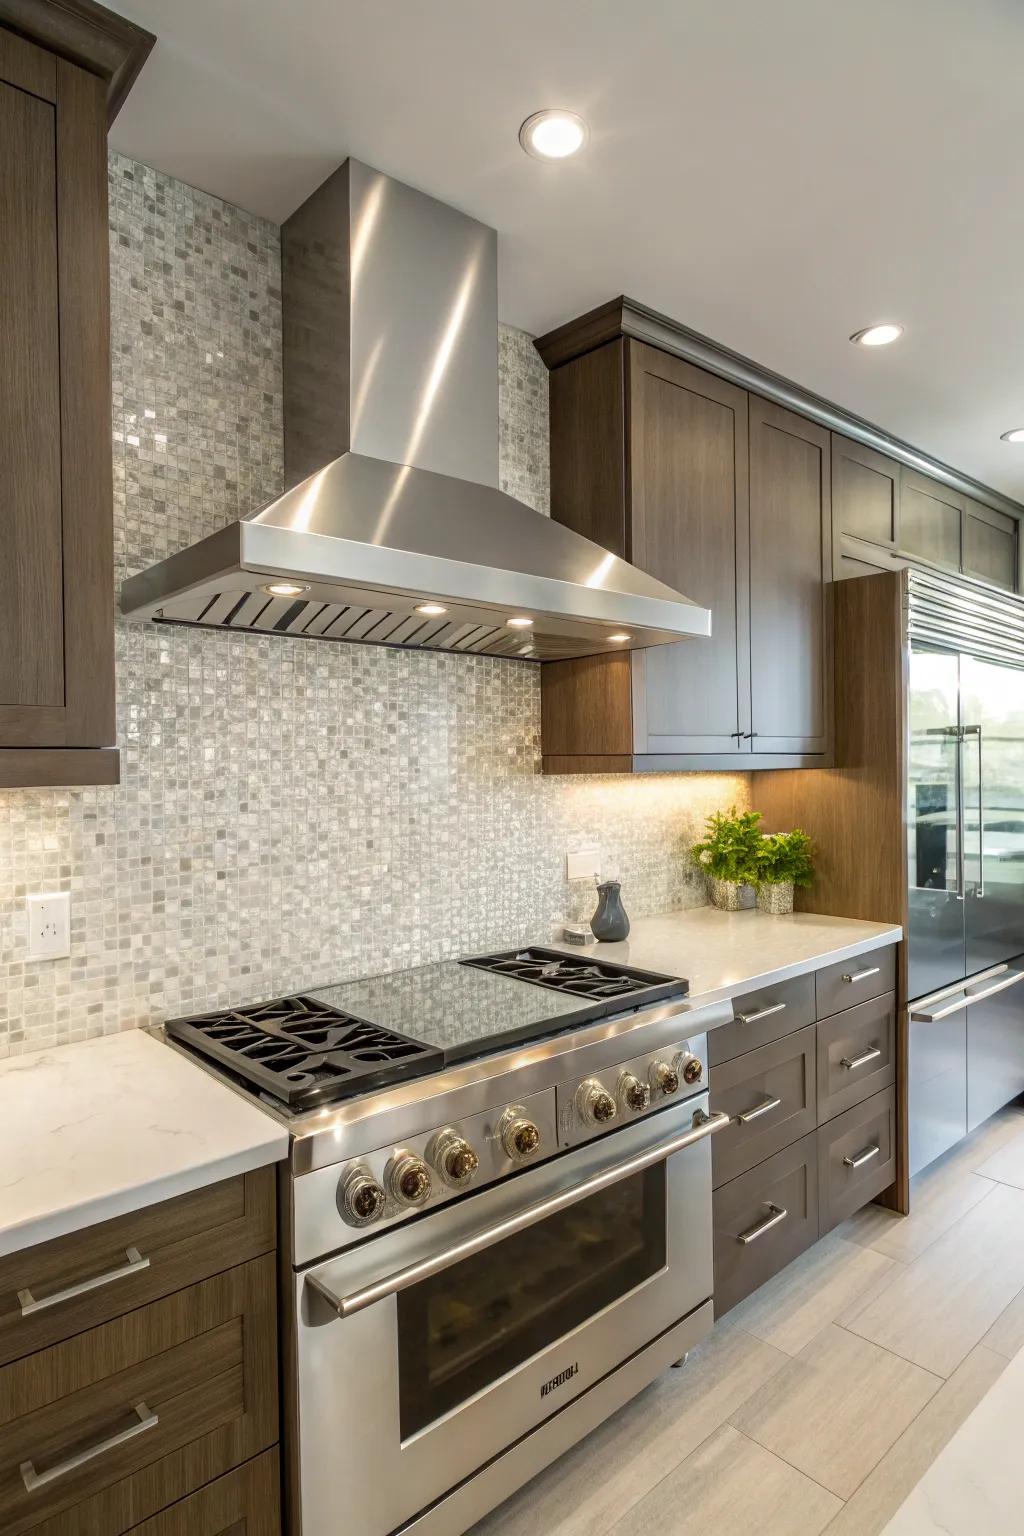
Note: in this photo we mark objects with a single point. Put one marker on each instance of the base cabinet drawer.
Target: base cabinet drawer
(856, 1055)
(105, 1429)
(763, 1220)
(856, 1157)
(771, 1097)
(57, 1289)
(244, 1503)
(763, 1016)
(850, 982)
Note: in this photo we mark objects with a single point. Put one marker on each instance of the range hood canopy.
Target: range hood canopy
(391, 455)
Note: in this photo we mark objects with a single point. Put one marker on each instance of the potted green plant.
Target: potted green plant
(783, 861)
(727, 857)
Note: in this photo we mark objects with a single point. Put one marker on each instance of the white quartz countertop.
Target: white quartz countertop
(973, 1487)
(92, 1130)
(725, 953)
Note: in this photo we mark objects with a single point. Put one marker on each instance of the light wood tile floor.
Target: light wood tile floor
(817, 1404)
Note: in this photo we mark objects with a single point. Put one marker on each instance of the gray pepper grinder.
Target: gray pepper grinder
(609, 923)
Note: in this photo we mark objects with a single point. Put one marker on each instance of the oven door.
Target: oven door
(430, 1349)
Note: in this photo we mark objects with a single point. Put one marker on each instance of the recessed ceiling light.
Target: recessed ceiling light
(1015, 435)
(553, 134)
(286, 588)
(620, 637)
(877, 335)
(432, 610)
(519, 623)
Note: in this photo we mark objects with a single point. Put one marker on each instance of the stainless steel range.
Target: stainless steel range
(497, 1214)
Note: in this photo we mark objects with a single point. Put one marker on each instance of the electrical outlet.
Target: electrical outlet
(49, 926)
(583, 864)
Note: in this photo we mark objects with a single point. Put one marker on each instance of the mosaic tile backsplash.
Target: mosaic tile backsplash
(290, 813)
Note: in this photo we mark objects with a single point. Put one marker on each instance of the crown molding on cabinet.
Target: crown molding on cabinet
(87, 34)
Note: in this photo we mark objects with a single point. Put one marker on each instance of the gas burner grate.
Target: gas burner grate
(606, 985)
(304, 1052)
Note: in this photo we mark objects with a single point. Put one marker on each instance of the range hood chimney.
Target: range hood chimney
(393, 530)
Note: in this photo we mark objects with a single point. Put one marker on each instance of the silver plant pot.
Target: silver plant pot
(730, 895)
(776, 899)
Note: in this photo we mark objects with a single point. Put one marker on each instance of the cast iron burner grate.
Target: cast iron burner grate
(304, 1052)
(600, 981)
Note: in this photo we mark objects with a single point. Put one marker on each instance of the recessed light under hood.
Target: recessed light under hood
(391, 455)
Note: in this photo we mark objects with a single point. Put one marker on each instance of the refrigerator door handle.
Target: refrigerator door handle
(961, 819)
(975, 731)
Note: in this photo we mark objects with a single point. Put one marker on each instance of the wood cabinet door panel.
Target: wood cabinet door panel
(246, 1502)
(931, 520)
(770, 1096)
(990, 545)
(31, 552)
(856, 1055)
(689, 497)
(856, 1158)
(865, 503)
(790, 565)
(763, 1220)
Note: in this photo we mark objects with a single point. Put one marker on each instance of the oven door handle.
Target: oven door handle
(356, 1301)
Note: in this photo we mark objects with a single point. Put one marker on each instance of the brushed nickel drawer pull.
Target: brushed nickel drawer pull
(778, 1213)
(851, 1063)
(861, 1158)
(762, 1013)
(135, 1263)
(851, 976)
(758, 1111)
(33, 1479)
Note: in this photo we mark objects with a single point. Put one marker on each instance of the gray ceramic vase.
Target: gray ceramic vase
(609, 923)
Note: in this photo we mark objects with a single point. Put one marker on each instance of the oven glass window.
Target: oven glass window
(462, 1329)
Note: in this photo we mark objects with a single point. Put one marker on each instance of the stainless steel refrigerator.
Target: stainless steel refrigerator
(965, 853)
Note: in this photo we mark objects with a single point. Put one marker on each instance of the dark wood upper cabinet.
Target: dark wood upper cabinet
(56, 495)
(990, 545)
(865, 506)
(790, 563)
(726, 498)
(688, 497)
(931, 520)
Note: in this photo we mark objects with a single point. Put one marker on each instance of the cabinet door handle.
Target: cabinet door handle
(861, 1158)
(135, 1263)
(758, 1111)
(762, 1013)
(853, 976)
(32, 1479)
(778, 1213)
(851, 1063)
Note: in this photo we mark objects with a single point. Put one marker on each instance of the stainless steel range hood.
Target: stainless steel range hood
(391, 453)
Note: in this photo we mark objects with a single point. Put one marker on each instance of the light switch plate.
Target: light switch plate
(49, 926)
(583, 864)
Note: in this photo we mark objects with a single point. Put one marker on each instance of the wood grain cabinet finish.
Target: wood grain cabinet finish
(865, 500)
(849, 982)
(931, 520)
(700, 484)
(856, 1157)
(771, 1096)
(108, 1427)
(132, 1260)
(763, 1220)
(761, 1016)
(856, 1055)
(245, 1502)
(990, 545)
(56, 495)
(791, 568)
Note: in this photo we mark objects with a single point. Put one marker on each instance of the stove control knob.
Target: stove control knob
(360, 1198)
(594, 1104)
(690, 1068)
(454, 1158)
(664, 1079)
(519, 1137)
(407, 1179)
(634, 1096)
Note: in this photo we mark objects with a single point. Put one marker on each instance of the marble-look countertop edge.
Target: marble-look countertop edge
(771, 978)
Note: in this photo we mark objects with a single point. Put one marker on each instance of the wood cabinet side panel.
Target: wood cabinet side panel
(588, 447)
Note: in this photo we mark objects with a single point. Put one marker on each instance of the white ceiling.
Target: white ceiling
(774, 173)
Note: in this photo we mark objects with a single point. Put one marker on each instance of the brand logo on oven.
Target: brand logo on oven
(561, 1379)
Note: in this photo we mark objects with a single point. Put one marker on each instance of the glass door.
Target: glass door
(992, 711)
(935, 849)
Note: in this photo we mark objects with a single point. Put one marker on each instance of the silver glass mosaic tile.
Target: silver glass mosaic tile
(290, 814)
